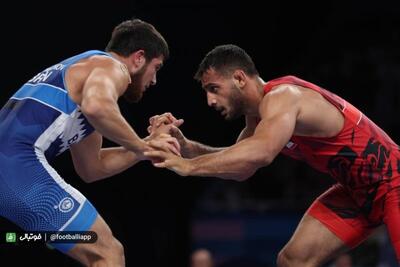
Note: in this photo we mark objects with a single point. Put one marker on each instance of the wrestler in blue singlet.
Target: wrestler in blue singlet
(38, 123)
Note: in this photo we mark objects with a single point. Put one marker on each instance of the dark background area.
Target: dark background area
(351, 49)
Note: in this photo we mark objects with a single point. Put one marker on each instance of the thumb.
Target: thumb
(174, 131)
(178, 123)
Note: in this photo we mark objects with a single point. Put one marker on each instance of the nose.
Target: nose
(154, 80)
(211, 101)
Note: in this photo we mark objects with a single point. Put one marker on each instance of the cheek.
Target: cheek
(226, 101)
(149, 75)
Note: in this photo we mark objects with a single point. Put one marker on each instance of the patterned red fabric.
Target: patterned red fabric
(362, 158)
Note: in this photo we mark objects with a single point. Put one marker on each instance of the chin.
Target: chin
(232, 116)
(228, 117)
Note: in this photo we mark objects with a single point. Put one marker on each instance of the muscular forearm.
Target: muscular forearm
(237, 162)
(109, 122)
(113, 161)
(193, 149)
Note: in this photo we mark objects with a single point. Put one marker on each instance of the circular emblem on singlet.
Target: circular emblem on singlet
(66, 204)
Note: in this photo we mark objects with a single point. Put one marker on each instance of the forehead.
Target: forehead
(211, 76)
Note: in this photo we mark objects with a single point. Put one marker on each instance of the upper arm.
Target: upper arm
(86, 154)
(278, 110)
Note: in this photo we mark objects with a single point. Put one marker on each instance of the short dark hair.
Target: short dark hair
(225, 59)
(135, 34)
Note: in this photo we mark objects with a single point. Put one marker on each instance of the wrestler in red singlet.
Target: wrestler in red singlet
(364, 161)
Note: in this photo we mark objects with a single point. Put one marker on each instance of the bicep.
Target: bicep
(269, 138)
(274, 133)
(278, 111)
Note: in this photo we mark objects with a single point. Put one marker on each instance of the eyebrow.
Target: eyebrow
(208, 86)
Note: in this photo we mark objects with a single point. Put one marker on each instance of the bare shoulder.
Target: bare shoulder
(283, 95)
(109, 64)
(106, 65)
(95, 69)
(315, 116)
(286, 89)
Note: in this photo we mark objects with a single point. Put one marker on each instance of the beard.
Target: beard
(236, 103)
(134, 92)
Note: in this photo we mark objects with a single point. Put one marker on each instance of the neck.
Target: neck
(121, 59)
(254, 95)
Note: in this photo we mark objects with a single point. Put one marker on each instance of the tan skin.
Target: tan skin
(95, 84)
(285, 111)
(201, 258)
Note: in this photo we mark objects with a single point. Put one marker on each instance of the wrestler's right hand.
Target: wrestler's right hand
(167, 123)
(164, 142)
(157, 123)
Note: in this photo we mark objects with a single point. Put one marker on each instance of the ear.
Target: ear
(138, 58)
(239, 78)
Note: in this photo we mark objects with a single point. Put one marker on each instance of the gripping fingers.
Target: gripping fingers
(169, 116)
(160, 164)
(153, 118)
(178, 123)
(164, 135)
(167, 144)
(162, 120)
(165, 118)
(168, 138)
(173, 149)
(174, 142)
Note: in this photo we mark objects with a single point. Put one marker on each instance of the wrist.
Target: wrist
(189, 167)
(186, 147)
(139, 149)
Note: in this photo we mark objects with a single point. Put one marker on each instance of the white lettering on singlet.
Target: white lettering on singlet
(44, 75)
